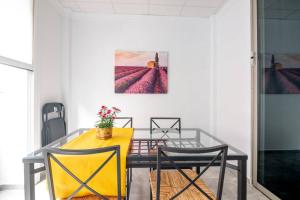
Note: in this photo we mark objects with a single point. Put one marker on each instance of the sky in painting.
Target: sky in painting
(287, 60)
(139, 58)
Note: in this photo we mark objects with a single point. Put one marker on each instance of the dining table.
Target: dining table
(142, 154)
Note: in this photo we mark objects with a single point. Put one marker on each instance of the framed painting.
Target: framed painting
(139, 72)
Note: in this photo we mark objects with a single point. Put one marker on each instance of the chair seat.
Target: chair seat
(172, 182)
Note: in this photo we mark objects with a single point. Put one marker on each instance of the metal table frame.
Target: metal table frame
(141, 159)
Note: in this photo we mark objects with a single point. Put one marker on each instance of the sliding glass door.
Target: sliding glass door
(15, 118)
(277, 166)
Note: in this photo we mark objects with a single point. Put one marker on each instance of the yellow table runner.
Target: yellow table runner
(105, 182)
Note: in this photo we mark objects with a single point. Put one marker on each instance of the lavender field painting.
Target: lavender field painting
(141, 72)
(282, 74)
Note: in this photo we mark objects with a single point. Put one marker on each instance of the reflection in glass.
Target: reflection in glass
(278, 161)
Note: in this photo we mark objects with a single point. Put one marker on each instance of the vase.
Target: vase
(104, 133)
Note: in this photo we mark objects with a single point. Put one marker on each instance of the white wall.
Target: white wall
(94, 39)
(48, 58)
(232, 75)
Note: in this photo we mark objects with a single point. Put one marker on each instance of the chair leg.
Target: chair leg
(198, 170)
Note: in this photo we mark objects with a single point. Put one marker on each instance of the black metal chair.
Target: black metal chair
(54, 126)
(164, 126)
(186, 178)
(50, 157)
(127, 122)
(156, 125)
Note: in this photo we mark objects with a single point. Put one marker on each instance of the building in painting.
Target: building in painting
(153, 63)
(275, 65)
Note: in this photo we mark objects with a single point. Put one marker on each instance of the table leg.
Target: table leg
(130, 174)
(242, 180)
(198, 170)
(29, 181)
(128, 183)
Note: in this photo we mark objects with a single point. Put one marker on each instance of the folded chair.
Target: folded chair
(185, 184)
(50, 156)
(54, 126)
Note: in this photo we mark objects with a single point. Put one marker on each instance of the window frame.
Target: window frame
(16, 63)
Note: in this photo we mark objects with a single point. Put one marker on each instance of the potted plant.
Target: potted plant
(106, 122)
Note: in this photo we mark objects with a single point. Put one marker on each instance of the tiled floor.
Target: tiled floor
(140, 190)
(140, 187)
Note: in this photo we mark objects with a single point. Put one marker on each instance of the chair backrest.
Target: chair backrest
(220, 157)
(125, 122)
(50, 155)
(57, 109)
(162, 124)
(54, 126)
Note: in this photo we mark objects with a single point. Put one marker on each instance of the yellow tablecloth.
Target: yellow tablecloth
(83, 166)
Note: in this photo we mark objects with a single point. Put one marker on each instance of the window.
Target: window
(16, 83)
(16, 22)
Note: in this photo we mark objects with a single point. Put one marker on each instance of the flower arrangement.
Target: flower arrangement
(107, 117)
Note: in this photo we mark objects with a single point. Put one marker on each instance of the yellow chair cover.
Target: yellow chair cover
(105, 182)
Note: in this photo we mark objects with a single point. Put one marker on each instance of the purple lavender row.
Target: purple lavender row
(120, 69)
(145, 84)
(157, 87)
(163, 80)
(285, 85)
(293, 79)
(125, 73)
(123, 83)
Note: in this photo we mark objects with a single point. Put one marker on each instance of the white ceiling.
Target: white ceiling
(184, 8)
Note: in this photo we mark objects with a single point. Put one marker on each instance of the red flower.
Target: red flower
(109, 111)
(103, 107)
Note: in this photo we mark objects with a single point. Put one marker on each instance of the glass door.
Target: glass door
(277, 166)
(15, 118)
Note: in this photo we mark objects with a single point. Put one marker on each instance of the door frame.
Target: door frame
(255, 101)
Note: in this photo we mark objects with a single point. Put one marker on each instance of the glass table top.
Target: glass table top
(144, 142)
